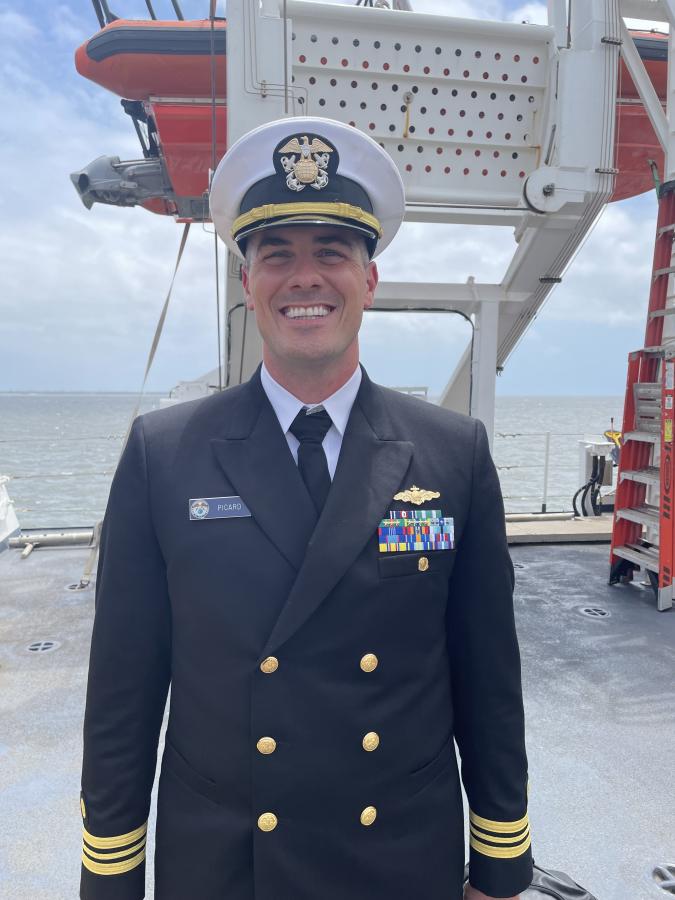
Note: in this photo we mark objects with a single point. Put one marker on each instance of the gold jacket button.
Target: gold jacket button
(369, 662)
(269, 665)
(423, 563)
(371, 741)
(266, 745)
(368, 815)
(267, 821)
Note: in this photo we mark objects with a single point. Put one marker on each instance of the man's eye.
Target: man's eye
(278, 254)
(329, 251)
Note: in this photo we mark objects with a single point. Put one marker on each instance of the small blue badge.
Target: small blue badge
(217, 508)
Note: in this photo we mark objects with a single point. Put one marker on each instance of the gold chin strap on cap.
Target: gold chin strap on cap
(334, 210)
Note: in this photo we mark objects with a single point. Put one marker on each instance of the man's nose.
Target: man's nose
(306, 274)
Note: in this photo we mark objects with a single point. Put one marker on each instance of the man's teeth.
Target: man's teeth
(306, 312)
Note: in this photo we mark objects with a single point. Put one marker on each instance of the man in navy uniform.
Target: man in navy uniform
(318, 568)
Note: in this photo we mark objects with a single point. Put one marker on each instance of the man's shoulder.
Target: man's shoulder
(407, 411)
(204, 412)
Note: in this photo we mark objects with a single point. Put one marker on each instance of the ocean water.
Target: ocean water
(60, 450)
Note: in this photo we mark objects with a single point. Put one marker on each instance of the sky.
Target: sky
(81, 290)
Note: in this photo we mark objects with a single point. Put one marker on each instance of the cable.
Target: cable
(228, 338)
(99, 12)
(212, 18)
(158, 333)
(220, 361)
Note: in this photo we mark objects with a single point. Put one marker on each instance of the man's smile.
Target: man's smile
(316, 311)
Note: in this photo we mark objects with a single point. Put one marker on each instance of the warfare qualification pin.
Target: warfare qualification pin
(416, 495)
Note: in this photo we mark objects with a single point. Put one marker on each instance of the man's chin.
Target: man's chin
(312, 356)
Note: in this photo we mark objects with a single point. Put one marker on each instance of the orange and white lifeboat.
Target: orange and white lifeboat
(171, 74)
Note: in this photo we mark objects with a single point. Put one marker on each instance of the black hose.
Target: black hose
(574, 501)
(595, 493)
(589, 484)
(593, 485)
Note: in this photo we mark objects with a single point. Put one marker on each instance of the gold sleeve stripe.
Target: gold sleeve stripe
(113, 868)
(499, 827)
(115, 855)
(500, 852)
(500, 840)
(116, 842)
(337, 210)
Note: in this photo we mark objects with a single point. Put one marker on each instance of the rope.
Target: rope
(158, 334)
(212, 18)
(151, 356)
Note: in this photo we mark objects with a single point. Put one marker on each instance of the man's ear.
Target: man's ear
(372, 278)
(246, 284)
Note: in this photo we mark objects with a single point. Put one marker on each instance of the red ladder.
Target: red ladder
(642, 530)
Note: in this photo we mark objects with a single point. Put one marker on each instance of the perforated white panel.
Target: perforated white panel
(459, 105)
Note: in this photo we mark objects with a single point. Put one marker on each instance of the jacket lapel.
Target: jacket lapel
(370, 469)
(257, 461)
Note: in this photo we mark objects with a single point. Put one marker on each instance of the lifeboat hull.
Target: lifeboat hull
(138, 59)
(169, 65)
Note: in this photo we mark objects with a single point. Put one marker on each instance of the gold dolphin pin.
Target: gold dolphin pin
(416, 495)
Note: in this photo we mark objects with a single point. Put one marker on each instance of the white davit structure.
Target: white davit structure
(490, 123)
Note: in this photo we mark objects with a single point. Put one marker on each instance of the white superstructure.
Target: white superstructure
(490, 123)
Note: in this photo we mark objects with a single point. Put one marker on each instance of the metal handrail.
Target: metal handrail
(543, 496)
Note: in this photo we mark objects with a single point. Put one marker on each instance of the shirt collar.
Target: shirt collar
(287, 406)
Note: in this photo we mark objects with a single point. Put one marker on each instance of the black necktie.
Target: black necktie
(310, 429)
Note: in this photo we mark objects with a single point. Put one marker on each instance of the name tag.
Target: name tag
(217, 508)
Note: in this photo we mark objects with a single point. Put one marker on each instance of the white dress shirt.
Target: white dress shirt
(338, 406)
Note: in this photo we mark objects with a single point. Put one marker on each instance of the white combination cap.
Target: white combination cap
(304, 171)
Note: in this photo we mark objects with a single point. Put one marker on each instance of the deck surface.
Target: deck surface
(599, 698)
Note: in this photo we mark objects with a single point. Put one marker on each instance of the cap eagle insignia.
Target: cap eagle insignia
(306, 164)
(416, 495)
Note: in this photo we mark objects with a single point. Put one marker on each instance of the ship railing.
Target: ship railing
(538, 456)
(524, 460)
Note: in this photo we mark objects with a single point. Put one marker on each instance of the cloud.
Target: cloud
(647, 25)
(461, 9)
(16, 25)
(531, 13)
(608, 282)
(67, 26)
(455, 252)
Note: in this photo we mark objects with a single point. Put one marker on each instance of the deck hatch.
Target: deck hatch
(664, 876)
(594, 612)
(43, 646)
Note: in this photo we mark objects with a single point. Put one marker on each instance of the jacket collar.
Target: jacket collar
(370, 469)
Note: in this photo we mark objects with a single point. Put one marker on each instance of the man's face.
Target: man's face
(308, 286)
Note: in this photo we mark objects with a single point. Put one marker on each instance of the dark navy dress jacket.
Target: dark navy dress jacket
(318, 685)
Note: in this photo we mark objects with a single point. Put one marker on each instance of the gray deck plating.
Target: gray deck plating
(599, 701)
